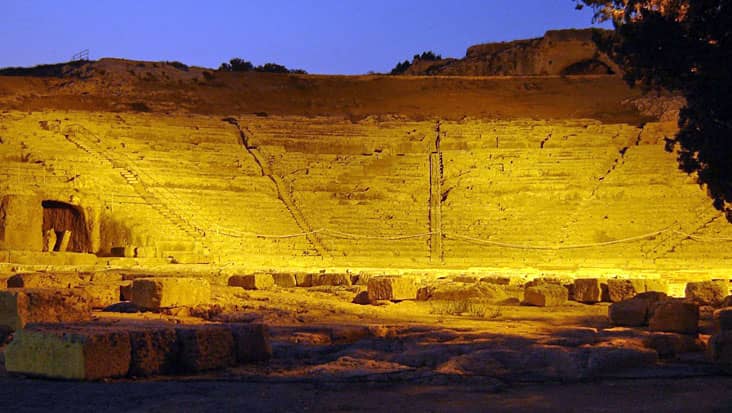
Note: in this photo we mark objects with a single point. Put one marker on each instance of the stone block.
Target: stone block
(154, 293)
(21, 223)
(588, 290)
(707, 292)
(720, 348)
(19, 306)
(252, 281)
(65, 352)
(205, 347)
(546, 295)
(251, 342)
(671, 344)
(304, 279)
(125, 290)
(629, 313)
(623, 289)
(154, 351)
(723, 319)
(362, 298)
(332, 279)
(393, 288)
(285, 280)
(496, 279)
(609, 360)
(101, 294)
(460, 291)
(46, 280)
(675, 316)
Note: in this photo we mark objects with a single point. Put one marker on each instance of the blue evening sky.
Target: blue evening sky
(320, 36)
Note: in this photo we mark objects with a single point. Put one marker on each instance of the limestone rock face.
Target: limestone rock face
(675, 316)
(170, 292)
(19, 307)
(101, 294)
(392, 288)
(547, 295)
(67, 353)
(205, 347)
(588, 290)
(253, 281)
(21, 223)
(707, 292)
(251, 342)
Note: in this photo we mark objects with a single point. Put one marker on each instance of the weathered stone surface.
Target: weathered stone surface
(723, 319)
(251, 342)
(635, 311)
(675, 316)
(125, 290)
(623, 289)
(285, 280)
(101, 294)
(362, 298)
(46, 280)
(460, 291)
(496, 279)
(19, 306)
(154, 351)
(720, 348)
(304, 279)
(707, 292)
(253, 281)
(670, 344)
(170, 292)
(205, 347)
(82, 353)
(331, 279)
(657, 285)
(394, 288)
(588, 290)
(547, 295)
(608, 360)
(21, 223)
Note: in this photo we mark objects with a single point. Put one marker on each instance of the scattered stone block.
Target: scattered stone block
(101, 295)
(304, 279)
(588, 290)
(331, 279)
(495, 279)
(675, 316)
(251, 342)
(46, 280)
(63, 245)
(360, 279)
(707, 292)
(285, 280)
(80, 353)
(547, 295)
(727, 302)
(484, 292)
(723, 319)
(671, 344)
(154, 293)
(154, 351)
(720, 348)
(205, 347)
(542, 281)
(636, 311)
(125, 290)
(362, 298)
(20, 306)
(252, 281)
(393, 288)
(623, 289)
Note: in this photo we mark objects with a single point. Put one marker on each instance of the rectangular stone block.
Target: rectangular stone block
(707, 292)
(252, 281)
(304, 279)
(623, 289)
(588, 290)
(331, 279)
(392, 288)
(79, 353)
(46, 280)
(154, 351)
(674, 316)
(163, 292)
(19, 306)
(285, 280)
(251, 342)
(101, 294)
(546, 295)
(205, 347)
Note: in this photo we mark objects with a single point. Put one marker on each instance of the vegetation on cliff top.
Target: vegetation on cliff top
(240, 65)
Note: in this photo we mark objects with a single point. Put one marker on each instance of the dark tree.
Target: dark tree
(400, 68)
(683, 46)
(271, 68)
(237, 65)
